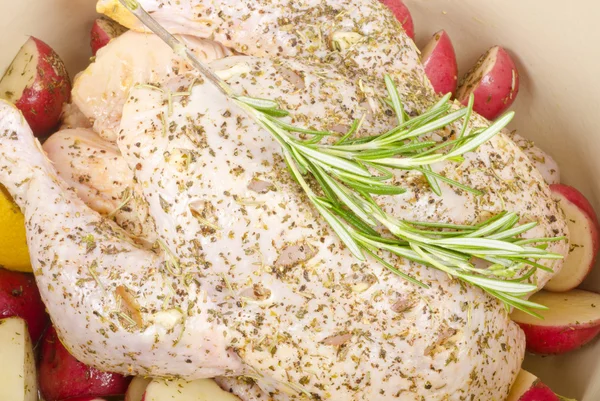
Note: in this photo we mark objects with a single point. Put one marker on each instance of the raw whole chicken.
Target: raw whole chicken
(246, 281)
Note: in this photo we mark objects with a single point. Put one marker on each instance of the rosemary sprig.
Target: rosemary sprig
(348, 172)
(347, 179)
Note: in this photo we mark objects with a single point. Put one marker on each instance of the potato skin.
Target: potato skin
(19, 296)
(87, 398)
(40, 100)
(549, 340)
(103, 31)
(439, 59)
(539, 392)
(402, 14)
(61, 376)
(571, 320)
(494, 81)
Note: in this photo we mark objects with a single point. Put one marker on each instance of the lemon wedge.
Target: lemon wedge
(14, 254)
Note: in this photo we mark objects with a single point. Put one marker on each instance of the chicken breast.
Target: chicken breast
(301, 267)
(360, 40)
(131, 59)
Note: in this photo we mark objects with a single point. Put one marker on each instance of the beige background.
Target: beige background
(556, 43)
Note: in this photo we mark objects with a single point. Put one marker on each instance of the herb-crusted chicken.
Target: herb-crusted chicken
(246, 280)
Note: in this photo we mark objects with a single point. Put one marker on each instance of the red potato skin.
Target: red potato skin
(103, 31)
(557, 340)
(19, 296)
(578, 199)
(402, 14)
(494, 93)
(41, 102)
(539, 392)
(87, 398)
(62, 377)
(440, 65)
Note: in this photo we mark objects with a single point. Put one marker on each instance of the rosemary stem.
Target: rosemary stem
(178, 47)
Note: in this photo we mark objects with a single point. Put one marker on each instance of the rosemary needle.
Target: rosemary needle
(349, 171)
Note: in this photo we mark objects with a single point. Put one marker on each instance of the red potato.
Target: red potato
(62, 377)
(137, 388)
(439, 60)
(528, 387)
(17, 368)
(585, 238)
(402, 14)
(103, 31)
(37, 83)
(86, 398)
(572, 320)
(494, 81)
(19, 296)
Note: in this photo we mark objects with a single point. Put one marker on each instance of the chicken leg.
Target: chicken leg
(113, 303)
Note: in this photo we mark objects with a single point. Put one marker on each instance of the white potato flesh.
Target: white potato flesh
(25, 71)
(522, 383)
(582, 252)
(17, 371)
(574, 308)
(137, 388)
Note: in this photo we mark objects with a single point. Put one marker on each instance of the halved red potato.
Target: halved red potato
(86, 398)
(585, 238)
(17, 368)
(402, 14)
(572, 320)
(180, 390)
(528, 387)
(19, 296)
(37, 83)
(61, 376)
(103, 31)
(137, 388)
(494, 81)
(439, 60)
